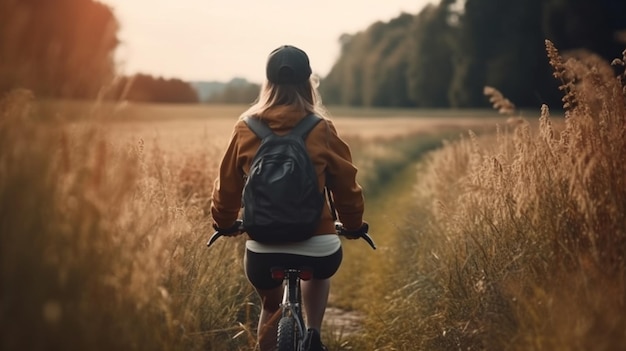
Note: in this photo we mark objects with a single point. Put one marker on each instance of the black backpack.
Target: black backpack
(281, 197)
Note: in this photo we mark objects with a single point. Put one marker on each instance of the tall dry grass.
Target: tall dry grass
(104, 224)
(102, 244)
(517, 241)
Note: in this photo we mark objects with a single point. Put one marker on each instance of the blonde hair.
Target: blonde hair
(304, 96)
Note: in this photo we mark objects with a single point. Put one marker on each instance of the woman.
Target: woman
(288, 95)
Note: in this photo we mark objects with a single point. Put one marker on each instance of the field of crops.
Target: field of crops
(104, 220)
(514, 241)
(508, 237)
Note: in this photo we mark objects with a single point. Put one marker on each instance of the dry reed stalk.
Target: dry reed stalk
(524, 244)
(100, 251)
(499, 102)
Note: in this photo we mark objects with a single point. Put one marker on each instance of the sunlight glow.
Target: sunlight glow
(220, 40)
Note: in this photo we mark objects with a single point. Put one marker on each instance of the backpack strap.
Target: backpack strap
(258, 127)
(262, 130)
(306, 125)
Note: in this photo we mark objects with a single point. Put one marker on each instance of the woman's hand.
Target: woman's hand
(233, 230)
(356, 234)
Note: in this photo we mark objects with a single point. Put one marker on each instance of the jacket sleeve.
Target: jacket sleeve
(341, 180)
(226, 197)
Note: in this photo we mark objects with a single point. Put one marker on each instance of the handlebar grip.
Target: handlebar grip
(213, 238)
(365, 236)
(369, 240)
(237, 227)
(338, 226)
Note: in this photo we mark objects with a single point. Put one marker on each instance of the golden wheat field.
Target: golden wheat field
(494, 232)
(516, 240)
(104, 222)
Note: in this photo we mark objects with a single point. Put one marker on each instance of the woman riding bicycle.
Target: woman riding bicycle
(286, 97)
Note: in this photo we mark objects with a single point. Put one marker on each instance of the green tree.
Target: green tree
(441, 58)
(146, 88)
(343, 85)
(430, 56)
(500, 44)
(588, 24)
(61, 48)
(386, 65)
(518, 65)
(237, 91)
(372, 68)
(479, 29)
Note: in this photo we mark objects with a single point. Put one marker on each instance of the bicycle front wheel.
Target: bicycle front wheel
(287, 334)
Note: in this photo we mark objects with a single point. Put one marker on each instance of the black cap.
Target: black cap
(288, 65)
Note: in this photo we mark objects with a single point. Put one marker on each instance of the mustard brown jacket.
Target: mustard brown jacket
(330, 154)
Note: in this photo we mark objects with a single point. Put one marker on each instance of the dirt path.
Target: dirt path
(344, 323)
(361, 281)
(389, 207)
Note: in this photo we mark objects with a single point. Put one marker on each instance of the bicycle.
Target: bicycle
(291, 326)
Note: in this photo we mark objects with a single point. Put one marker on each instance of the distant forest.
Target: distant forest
(65, 49)
(59, 48)
(440, 57)
(446, 54)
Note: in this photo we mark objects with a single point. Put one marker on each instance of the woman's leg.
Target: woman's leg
(268, 321)
(315, 291)
(314, 298)
(257, 267)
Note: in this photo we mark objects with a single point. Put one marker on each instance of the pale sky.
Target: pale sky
(220, 40)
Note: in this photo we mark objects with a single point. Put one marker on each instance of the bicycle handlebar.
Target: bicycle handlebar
(338, 227)
(367, 238)
(364, 235)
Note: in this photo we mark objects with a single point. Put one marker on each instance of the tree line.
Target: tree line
(441, 57)
(237, 91)
(147, 88)
(445, 55)
(60, 48)
(65, 49)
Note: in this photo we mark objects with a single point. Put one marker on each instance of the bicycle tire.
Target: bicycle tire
(286, 337)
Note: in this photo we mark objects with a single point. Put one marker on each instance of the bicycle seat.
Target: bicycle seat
(280, 273)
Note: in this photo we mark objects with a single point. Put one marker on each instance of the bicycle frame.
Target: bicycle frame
(291, 306)
(291, 326)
